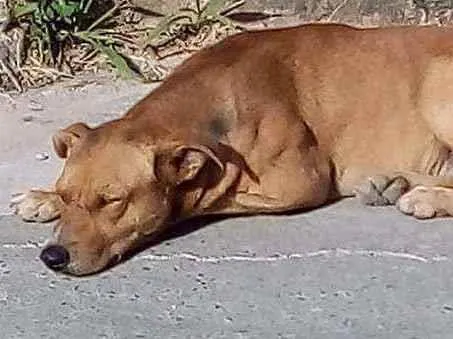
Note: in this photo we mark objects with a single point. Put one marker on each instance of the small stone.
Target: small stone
(35, 106)
(344, 294)
(301, 297)
(41, 156)
(347, 322)
(447, 308)
(135, 296)
(3, 296)
(228, 319)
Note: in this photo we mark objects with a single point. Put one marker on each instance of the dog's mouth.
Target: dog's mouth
(114, 260)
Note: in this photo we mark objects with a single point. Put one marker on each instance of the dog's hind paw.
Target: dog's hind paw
(381, 190)
(36, 206)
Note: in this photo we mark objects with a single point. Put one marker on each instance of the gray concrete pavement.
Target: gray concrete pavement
(343, 271)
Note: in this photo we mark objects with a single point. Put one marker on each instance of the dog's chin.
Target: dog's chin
(79, 269)
(76, 270)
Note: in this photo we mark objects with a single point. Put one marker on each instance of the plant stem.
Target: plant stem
(104, 17)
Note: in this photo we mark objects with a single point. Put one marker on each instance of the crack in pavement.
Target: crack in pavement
(6, 213)
(278, 257)
(338, 252)
(27, 245)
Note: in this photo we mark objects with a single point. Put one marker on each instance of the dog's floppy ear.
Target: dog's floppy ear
(183, 163)
(65, 139)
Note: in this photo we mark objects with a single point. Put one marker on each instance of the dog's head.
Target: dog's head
(116, 191)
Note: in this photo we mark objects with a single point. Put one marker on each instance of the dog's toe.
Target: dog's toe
(418, 204)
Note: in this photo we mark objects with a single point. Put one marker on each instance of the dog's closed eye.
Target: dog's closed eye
(107, 200)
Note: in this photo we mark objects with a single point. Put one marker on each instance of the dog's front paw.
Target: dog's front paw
(421, 202)
(381, 190)
(36, 206)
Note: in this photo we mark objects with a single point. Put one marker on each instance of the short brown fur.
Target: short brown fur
(262, 122)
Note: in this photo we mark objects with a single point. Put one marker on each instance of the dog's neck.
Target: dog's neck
(211, 121)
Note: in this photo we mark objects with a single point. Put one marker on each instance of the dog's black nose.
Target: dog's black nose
(55, 257)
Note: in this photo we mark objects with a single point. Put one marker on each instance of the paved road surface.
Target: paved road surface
(344, 271)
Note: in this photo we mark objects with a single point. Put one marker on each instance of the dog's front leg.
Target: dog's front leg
(258, 203)
(37, 206)
(427, 202)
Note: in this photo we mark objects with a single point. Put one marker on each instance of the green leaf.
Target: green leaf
(65, 9)
(24, 10)
(213, 8)
(164, 25)
(117, 61)
(48, 14)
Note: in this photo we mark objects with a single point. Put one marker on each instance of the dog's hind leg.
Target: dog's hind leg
(37, 206)
(381, 190)
(421, 196)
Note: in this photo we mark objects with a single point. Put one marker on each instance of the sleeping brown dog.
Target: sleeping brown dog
(261, 122)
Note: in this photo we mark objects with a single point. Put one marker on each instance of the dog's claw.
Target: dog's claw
(380, 190)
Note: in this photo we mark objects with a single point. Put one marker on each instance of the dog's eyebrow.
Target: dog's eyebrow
(111, 191)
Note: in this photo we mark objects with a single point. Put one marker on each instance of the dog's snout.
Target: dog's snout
(55, 257)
